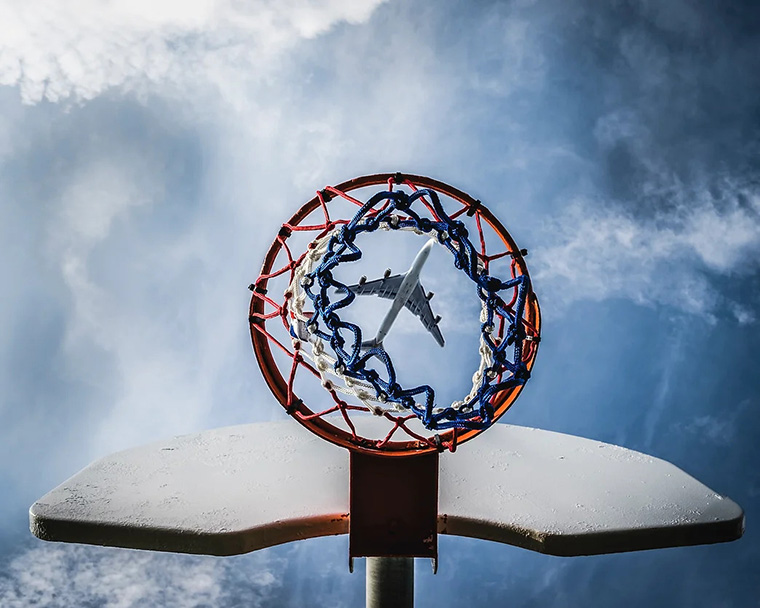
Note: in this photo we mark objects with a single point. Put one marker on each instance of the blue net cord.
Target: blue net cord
(345, 338)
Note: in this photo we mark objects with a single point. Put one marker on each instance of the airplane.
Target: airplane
(405, 290)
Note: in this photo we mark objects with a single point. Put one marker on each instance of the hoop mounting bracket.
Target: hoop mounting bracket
(393, 506)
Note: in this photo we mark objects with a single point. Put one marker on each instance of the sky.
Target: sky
(149, 152)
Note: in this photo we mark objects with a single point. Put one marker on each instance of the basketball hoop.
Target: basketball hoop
(261, 485)
(319, 344)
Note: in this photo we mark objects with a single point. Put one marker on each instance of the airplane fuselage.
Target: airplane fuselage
(405, 290)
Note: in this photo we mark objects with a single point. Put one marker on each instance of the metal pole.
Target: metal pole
(390, 582)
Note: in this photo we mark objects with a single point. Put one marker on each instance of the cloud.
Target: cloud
(667, 208)
(719, 430)
(113, 299)
(157, 213)
(77, 50)
(595, 252)
(70, 575)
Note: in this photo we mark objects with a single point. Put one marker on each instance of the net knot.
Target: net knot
(424, 224)
(347, 235)
(401, 201)
(490, 284)
(458, 231)
(522, 374)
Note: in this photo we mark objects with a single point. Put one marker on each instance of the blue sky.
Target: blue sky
(149, 151)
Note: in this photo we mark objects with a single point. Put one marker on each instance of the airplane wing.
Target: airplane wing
(419, 305)
(385, 288)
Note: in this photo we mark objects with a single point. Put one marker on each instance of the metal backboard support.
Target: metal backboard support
(393, 506)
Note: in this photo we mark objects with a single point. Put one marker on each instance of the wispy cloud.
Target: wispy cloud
(720, 429)
(79, 49)
(69, 575)
(668, 210)
(595, 252)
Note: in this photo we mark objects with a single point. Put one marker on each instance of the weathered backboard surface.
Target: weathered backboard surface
(233, 490)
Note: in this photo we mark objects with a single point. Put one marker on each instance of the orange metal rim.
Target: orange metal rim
(279, 386)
